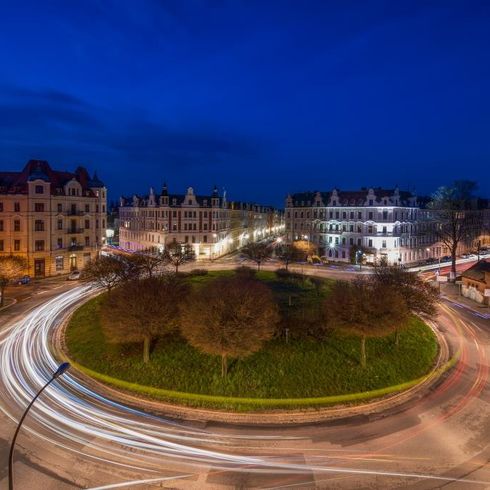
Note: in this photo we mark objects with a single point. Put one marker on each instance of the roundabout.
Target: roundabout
(436, 438)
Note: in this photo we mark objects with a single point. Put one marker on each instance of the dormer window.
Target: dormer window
(39, 189)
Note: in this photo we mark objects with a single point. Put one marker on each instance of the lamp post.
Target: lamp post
(62, 368)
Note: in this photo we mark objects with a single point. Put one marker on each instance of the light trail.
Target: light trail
(74, 417)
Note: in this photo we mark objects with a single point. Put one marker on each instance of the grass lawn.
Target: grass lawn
(303, 367)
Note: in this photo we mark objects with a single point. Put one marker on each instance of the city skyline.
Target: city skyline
(257, 99)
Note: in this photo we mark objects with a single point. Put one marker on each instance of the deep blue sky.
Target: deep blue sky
(262, 98)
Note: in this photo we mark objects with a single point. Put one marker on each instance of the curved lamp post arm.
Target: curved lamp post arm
(61, 369)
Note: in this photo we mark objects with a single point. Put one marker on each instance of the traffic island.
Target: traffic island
(289, 381)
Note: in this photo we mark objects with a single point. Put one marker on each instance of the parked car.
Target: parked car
(465, 256)
(446, 258)
(430, 260)
(23, 280)
(74, 276)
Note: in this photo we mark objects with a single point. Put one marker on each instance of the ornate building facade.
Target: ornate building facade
(210, 223)
(56, 220)
(384, 222)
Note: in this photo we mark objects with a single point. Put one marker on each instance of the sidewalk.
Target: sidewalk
(451, 292)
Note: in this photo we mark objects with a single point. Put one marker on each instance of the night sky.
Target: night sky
(262, 98)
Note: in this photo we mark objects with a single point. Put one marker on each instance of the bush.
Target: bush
(199, 272)
(288, 275)
(245, 271)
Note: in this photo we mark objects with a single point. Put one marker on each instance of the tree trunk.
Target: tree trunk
(453, 263)
(176, 268)
(146, 349)
(363, 351)
(258, 266)
(2, 292)
(397, 337)
(287, 265)
(224, 366)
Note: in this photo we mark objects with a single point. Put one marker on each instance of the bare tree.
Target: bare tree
(288, 253)
(143, 310)
(149, 262)
(452, 218)
(419, 296)
(107, 271)
(258, 252)
(365, 309)
(178, 254)
(231, 317)
(11, 267)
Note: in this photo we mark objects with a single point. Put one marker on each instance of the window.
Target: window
(359, 215)
(60, 243)
(17, 207)
(39, 245)
(370, 243)
(1, 245)
(344, 215)
(351, 241)
(96, 208)
(370, 202)
(1, 207)
(359, 241)
(59, 263)
(16, 245)
(87, 208)
(39, 225)
(370, 229)
(205, 239)
(39, 207)
(87, 224)
(1, 225)
(96, 223)
(385, 215)
(87, 241)
(39, 189)
(383, 243)
(60, 224)
(370, 215)
(16, 225)
(60, 208)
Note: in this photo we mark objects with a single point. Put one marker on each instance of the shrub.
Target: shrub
(245, 271)
(199, 272)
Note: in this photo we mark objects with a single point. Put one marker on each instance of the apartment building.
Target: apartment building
(381, 221)
(54, 219)
(210, 223)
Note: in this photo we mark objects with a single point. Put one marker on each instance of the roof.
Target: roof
(477, 271)
(179, 198)
(350, 198)
(16, 182)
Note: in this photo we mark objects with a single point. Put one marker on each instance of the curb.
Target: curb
(273, 417)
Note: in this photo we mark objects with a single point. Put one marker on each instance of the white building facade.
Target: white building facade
(383, 222)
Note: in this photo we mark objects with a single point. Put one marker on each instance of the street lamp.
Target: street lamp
(62, 368)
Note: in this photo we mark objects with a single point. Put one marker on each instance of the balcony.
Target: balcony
(74, 231)
(75, 248)
(72, 212)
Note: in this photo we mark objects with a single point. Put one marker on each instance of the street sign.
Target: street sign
(441, 278)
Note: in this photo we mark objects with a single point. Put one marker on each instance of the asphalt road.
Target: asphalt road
(75, 438)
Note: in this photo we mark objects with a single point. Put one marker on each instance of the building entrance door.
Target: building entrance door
(39, 267)
(73, 262)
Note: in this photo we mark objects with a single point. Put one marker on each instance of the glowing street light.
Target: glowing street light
(62, 368)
